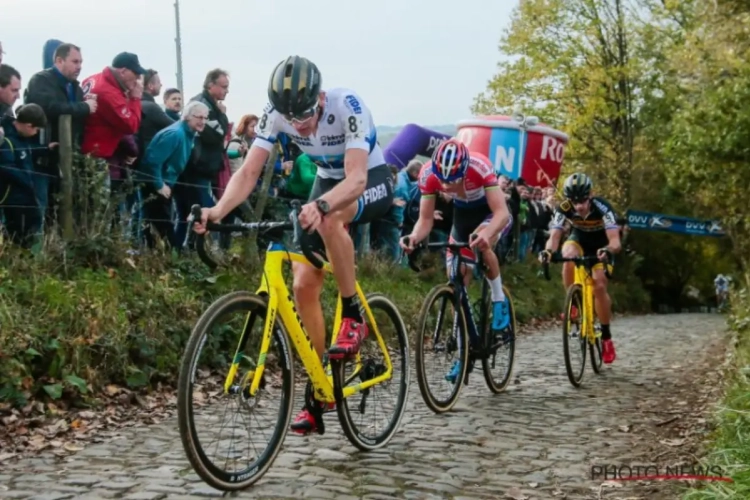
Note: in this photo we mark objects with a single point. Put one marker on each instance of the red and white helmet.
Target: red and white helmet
(450, 160)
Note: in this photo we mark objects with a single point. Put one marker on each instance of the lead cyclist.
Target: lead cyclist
(353, 184)
(480, 216)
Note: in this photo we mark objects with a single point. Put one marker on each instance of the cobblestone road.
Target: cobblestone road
(536, 441)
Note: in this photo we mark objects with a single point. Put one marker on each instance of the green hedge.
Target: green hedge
(67, 329)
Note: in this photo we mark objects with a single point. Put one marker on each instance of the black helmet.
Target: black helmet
(294, 86)
(577, 187)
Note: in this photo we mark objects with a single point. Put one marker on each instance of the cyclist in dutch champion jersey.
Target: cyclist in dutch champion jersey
(353, 184)
(479, 209)
(594, 233)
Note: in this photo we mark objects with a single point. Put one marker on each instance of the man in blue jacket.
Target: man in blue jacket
(164, 160)
(19, 197)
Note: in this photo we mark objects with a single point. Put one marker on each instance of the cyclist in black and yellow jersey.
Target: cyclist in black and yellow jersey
(594, 231)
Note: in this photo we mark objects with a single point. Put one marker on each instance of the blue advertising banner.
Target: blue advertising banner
(673, 224)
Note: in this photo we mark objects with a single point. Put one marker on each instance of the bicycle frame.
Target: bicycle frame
(586, 281)
(461, 294)
(281, 303)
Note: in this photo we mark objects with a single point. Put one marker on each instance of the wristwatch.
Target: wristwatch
(322, 207)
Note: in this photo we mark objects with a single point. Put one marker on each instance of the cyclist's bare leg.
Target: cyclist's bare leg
(308, 281)
(603, 308)
(602, 302)
(340, 250)
(308, 284)
(340, 247)
(491, 263)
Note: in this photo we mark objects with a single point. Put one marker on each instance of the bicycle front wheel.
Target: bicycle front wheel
(443, 337)
(574, 341)
(372, 416)
(502, 350)
(203, 405)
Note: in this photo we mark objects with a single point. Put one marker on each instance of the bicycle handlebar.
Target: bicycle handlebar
(590, 260)
(455, 247)
(267, 228)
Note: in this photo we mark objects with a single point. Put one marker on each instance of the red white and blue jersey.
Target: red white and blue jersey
(479, 178)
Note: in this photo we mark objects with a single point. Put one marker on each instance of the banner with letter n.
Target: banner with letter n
(673, 224)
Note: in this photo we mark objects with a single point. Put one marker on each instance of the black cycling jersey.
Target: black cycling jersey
(590, 231)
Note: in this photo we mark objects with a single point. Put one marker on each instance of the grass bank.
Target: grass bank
(72, 322)
(730, 446)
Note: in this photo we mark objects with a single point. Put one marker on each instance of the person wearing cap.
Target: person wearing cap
(117, 90)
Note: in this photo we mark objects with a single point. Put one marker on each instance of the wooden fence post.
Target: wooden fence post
(66, 181)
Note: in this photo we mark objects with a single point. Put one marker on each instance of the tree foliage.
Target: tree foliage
(655, 95)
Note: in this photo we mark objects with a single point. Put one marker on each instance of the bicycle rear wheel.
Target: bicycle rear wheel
(361, 429)
(200, 389)
(502, 350)
(453, 346)
(574, 343)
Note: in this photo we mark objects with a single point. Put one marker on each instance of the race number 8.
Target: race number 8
(263, 121)
(352, 124)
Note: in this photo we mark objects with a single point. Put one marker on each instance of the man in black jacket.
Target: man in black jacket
(57, 91)
(153, 118)
(10, 86)
(208, 155)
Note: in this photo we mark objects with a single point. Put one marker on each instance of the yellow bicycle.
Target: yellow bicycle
(580, 323)
(251, 382)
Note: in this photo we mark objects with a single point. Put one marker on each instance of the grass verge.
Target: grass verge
(730, 447)
(76, 320)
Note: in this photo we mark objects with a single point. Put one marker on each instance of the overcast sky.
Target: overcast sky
(419, 61)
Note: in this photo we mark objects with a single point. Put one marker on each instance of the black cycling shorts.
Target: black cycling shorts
(374, 203)
(589, 243)
(467, 220)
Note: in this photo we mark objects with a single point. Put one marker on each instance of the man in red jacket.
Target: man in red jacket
(117, 91)
(110, 131)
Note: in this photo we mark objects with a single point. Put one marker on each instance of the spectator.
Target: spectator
(153, 118)
(58, 93)
(386, 231)
(526, 215)
(411, 211)
(117, 90)
(19, 202)
(204, 166)
(163, 162)
(240, 143)
(173, 103)
(513, 200)
(10, 89)
(301, 178)
(539, 221)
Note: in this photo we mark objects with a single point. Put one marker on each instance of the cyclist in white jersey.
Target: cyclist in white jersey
(353, 184)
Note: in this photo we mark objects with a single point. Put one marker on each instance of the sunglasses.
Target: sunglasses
(302, 117)
(579, 202)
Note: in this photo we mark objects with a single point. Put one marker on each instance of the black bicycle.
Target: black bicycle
(467, 340)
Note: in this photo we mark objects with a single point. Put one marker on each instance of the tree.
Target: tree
(573, 61)
(709, 145)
